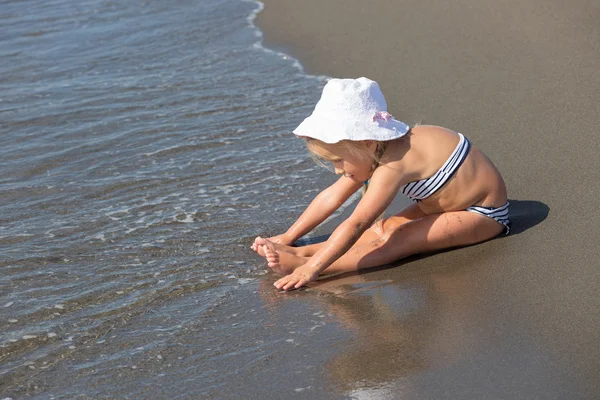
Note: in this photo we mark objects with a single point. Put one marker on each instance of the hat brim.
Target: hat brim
(330, 131)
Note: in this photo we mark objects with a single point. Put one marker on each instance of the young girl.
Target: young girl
(460, 197)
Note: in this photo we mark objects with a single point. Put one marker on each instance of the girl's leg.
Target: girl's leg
(423, 235)
(408, 214)
(427, 234)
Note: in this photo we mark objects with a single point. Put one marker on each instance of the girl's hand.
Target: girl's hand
(301, 276)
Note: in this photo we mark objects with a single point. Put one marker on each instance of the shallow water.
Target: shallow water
(143, 146)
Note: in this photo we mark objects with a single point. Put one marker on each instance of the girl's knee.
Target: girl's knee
(376, 230)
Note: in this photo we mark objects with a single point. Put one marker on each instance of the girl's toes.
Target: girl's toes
(266, 251)
(272, 257)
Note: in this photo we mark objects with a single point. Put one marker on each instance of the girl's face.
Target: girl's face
(354, 166)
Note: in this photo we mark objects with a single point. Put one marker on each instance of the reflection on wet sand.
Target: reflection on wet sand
(399, 329)
(438, 331)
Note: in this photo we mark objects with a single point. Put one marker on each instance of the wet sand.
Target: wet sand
(518, 316)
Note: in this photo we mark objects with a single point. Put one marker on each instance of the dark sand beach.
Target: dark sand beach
(518, 316)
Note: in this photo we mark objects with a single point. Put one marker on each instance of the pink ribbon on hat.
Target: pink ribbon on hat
(382, 116)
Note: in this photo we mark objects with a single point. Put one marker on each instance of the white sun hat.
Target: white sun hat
(351, 109)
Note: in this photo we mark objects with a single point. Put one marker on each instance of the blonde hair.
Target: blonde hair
(321, 151)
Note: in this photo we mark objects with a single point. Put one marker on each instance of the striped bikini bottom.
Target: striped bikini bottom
(500, 214)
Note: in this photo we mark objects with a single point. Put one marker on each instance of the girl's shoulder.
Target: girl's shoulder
(420, 142)
(431, 140)
(432, 132)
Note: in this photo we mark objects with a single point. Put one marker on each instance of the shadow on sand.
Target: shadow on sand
(525, 214)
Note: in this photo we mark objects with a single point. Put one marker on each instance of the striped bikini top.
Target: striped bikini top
(419, 190)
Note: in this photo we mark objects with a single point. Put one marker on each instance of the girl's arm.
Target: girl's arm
(383, 187)
(323, 205)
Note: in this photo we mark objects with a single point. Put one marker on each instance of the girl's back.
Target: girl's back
(476, 182)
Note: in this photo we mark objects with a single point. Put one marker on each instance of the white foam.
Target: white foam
(17, 235)
(188, 218)
(100, 236)
(226, 189)
(160, 151)
(259, 45)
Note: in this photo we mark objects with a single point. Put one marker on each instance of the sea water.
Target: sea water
(143, 145)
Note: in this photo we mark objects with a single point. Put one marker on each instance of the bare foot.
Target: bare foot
(259, 242)
(258, 248)
(281, 263)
